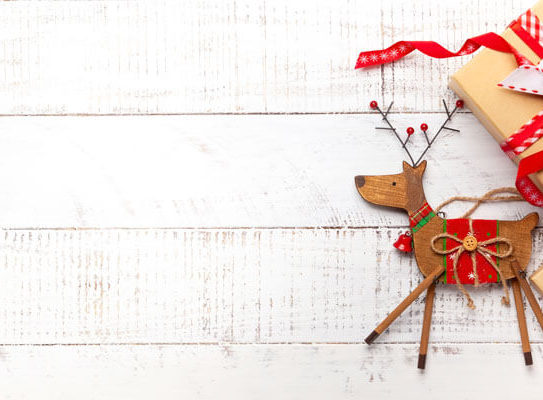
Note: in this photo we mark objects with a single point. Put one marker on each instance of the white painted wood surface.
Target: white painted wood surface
(228, 286)
(235, 56)
(230, 171)
(159, 241)
(264, 371)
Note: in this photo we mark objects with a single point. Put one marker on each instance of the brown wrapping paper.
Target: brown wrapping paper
(501, 111)
(537, 279)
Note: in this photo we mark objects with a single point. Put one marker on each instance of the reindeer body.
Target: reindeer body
(405, 191)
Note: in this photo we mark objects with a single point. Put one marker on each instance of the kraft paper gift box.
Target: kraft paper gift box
(500, 110)
(537, 279)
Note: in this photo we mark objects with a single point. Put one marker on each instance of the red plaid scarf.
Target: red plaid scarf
(421, 217)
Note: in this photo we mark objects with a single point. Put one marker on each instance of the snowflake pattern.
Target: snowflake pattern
(363, 59)
(381, 56)
(471, 276)
(530, 192)
(398, 50)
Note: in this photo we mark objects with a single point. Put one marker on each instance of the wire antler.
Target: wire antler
(375, 106)
(459, 104)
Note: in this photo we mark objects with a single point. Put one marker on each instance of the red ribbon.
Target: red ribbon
(530, 165)
(528, 28)
(528, 134)
(526, 38)
(433, 49)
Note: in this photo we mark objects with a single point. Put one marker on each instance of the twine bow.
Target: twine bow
(471, 245)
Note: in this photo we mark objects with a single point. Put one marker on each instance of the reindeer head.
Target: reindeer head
(402, 190)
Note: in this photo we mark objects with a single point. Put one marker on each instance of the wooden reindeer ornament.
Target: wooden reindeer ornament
(459, 251)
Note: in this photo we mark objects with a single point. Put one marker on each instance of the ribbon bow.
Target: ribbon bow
(471, 245)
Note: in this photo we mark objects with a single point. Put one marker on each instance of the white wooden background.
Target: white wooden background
(178, 213)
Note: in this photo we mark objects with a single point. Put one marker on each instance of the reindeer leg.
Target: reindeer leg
(522, 322)
(426, 322)
(525, 286)
(425, 284)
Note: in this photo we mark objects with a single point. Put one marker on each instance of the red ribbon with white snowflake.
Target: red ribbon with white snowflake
(529, 29)
(517, 143)
(433, 49)
(527, 188)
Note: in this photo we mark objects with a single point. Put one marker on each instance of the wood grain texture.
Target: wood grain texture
(205, 256)
(536, 279)
(426, 324)
(521, 315)
(528, 292)
(231, 171)
(214, 56)
(266, 371)
(235, 286)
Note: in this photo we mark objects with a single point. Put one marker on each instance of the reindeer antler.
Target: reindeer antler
(459, 104)
(375, 106)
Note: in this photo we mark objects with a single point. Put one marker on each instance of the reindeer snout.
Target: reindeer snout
(359, 180)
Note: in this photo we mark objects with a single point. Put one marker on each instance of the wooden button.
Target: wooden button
(470, 243)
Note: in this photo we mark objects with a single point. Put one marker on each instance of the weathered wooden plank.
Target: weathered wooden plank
(454, 371)
(202, 56)
(229, 171)
(234, 286)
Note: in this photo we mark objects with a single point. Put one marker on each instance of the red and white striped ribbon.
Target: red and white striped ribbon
(525, 136)
(530, 23)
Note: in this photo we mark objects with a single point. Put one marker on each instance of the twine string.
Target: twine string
(489, 197)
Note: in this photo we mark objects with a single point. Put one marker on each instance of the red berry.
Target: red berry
(459, 103)
(373, 104)
(410, 131)
(423, 127)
